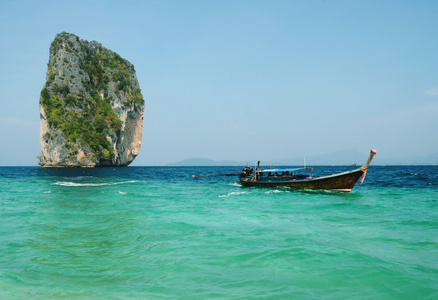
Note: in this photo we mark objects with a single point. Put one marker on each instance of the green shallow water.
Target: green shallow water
(153, 233)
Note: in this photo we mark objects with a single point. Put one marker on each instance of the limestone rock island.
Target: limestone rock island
(91, 106)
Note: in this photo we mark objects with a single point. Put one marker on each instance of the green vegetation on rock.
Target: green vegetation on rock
(89, 126)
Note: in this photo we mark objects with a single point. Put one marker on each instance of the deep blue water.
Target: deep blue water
(154, 233)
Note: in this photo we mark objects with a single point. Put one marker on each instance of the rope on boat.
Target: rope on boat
(350, 167)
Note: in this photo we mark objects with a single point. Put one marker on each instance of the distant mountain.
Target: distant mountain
(346, 157)
(343, 158)
(204, 162)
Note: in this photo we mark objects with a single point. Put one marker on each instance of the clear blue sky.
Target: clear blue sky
(239, 80)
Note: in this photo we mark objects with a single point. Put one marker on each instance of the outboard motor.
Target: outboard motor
(246, 172)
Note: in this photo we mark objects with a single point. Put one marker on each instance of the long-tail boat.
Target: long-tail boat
(295, 179)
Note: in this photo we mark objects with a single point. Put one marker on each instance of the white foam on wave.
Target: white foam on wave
(231, 194)
(75, 184)
(274, 191)
(77, 177)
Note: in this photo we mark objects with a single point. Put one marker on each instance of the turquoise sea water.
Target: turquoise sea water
(155, 233)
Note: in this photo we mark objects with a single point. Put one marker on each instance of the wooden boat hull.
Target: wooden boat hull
(341, 182)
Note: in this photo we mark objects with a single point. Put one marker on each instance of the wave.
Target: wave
(274, 191)
(77, 177)
(232, 194)
(75, 184)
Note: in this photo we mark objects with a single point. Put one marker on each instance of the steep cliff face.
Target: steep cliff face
(91, 106)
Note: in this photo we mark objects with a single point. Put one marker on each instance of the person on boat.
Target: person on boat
(247, 171)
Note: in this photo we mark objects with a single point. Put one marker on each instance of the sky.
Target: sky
(241, 80)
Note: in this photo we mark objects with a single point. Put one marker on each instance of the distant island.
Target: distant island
(204, 162)
(341, 158)
(91, 106)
